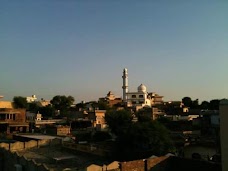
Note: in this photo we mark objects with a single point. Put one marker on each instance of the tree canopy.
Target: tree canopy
(62, 103)
(118, 120)
(138, 139)
(20, 102)
(144, 114)
(47, 111)
(187, 101)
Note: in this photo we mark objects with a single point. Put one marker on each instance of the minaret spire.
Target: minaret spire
(125, 84)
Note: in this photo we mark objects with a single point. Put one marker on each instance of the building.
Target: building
(13, 121)
(99, 122)
(6, 105)
(223, 111)
(112, 100)
(59, 130)
(155, 99)
(43, 103)
(125, 85)
(31, 99)
(140, 98)
(32, 117)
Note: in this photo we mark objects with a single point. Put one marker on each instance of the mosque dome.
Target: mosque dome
(142, 88)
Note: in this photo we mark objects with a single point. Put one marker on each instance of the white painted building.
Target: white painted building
(140, 98)
(31, 99)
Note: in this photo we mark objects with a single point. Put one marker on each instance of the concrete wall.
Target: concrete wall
(166, 163)
(114, 166)
(86, 149)
(10, 159)
(223, 112)
(6, 104)
(157, 163)
(137, 165)
(30, 144)
(94, 167)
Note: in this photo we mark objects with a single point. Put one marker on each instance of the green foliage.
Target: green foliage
(144, 114)
(62, 103)
(118, 121)
(83, 136)
(172, 109)
(143, 139)
(102, 105)
(33, 107)
(20, 102)
(214, 104)
(205, 105)
(187, 101)
(195, 104)
(47, 111)
(101, 136)
(139, 139)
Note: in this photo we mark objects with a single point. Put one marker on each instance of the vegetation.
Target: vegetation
(20, 102)
(118, 121)
(47, 111)
(62, 103)
(194, 104)
(101, 136)
(138, 139)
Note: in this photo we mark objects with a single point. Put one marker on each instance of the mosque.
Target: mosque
(140, 98)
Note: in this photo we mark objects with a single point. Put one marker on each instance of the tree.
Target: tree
(102, 105)
(214, 104)
(142, 139)
(144, 114)
(47, 111)
(205, 105)
(118, 121)
(62, 103)
(33, 107)
(187, 101)
(20, 102)
(151, 136)
(101, 136)
(137, 139)
(195, 104)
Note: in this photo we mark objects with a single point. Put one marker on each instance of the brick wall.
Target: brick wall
(137, 165)
(155, 161)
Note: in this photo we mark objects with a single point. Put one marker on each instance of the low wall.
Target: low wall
(136, 165)
(157, 163)
(30, 144)
(168, 163)
(86, 149)
(10, 159)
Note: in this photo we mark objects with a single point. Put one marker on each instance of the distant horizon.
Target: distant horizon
(80, 48)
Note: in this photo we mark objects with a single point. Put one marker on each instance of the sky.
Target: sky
(80, 47)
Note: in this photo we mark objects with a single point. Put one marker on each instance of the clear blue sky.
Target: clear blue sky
(79, 47)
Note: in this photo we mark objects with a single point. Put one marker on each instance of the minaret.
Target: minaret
(125, 84)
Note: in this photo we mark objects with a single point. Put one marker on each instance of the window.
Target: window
(141, 96)
(133, 96)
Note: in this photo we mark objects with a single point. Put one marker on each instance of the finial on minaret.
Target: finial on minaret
(125, 84)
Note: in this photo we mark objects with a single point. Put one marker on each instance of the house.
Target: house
(13, 120)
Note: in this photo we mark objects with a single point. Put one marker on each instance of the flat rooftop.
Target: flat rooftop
(38, 136)
(59, 159)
